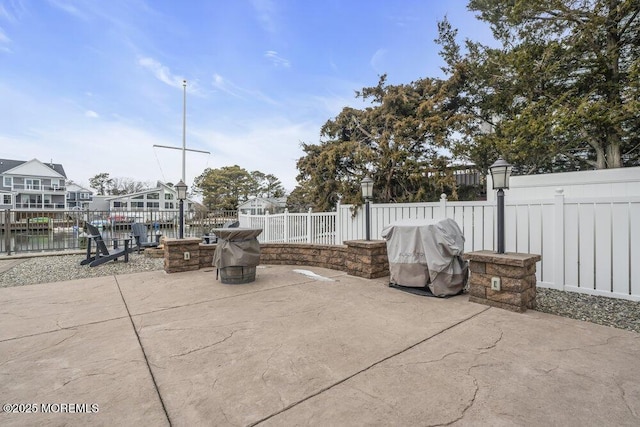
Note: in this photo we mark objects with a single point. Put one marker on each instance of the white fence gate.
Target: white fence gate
(589, 245)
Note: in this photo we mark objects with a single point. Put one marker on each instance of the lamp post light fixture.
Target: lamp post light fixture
(181, 188)
(500, 174)
(367, 192)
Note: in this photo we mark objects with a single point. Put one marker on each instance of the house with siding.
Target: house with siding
(162, 198)
(32, 185)
(260, 205)
(78, 197)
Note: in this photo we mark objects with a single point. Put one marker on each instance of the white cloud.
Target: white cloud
(270, 145)
(91, 114)
(4, 14)
(378, 59)
(69, 8)
(266, 14)
(12, 11)
(123, 147)
(223, 85)
(115, 147)
(228, 87)
(276, 59)
(3, 37)
(163, 73)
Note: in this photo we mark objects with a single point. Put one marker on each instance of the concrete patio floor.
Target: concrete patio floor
(290, 349)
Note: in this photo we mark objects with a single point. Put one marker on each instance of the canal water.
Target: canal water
(66, 239)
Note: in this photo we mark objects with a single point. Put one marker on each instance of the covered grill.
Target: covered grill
(427, 254)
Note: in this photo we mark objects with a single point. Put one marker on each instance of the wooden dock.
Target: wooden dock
(23, 226)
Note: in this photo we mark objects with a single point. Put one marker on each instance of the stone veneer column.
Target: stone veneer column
(174, 250)
(517, 273)
(367, 258)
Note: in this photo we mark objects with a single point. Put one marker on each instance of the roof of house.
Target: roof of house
(8, 164)
(159, 186)
(77, 188)
(274, 201)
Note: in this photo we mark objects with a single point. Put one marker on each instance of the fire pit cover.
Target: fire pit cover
(237, 247)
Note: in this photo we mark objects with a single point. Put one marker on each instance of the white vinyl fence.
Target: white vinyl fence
(317, 228)
(588, 245)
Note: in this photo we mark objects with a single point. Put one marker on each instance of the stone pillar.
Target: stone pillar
(367, 258)
(174, 255)
(516, 273)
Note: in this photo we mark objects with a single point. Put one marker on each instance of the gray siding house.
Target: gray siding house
(78, 197)
(32, 185)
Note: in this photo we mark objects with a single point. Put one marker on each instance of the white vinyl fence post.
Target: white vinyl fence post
(337, 238)
(309, 226)
(558, 246)
(286, 225)
(267, 227)
(443, 206)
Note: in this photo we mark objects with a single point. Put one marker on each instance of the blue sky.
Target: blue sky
(94, 84)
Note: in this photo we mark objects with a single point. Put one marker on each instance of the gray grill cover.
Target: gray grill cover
(427, 253)
(236, 247)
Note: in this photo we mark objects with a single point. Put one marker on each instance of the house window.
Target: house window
(168, 205)
(68, 196)
(153, 205)
(7, 181)
(6, 199)
(153, 196)
(138, 197)
(32, 184)
(84, 196)
(168, 196)
(119, 204)
(137, 205)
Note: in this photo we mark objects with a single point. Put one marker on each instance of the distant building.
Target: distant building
(260, 205)
(99, 203)
(467, 175)
(32, 185)
(161, 198)
(78, 197)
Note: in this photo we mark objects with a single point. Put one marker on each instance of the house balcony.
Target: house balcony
(40, 206)
(28, 188)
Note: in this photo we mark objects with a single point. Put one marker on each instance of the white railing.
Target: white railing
(588, 245)
(310, 227)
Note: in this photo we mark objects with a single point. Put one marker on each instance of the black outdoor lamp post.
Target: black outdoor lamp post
(367, 192)
(500, 173)
(181, 188)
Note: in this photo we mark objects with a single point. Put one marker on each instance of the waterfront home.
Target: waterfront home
(32, 185)
(78, 197)
(260, 205)
(162, 198)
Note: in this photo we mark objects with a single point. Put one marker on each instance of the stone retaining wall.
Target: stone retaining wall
(326, 256)
(356, 257)
(515, 272)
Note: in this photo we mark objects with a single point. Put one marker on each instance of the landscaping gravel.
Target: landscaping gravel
(619, 313)
(48, 269)
(614, 312)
